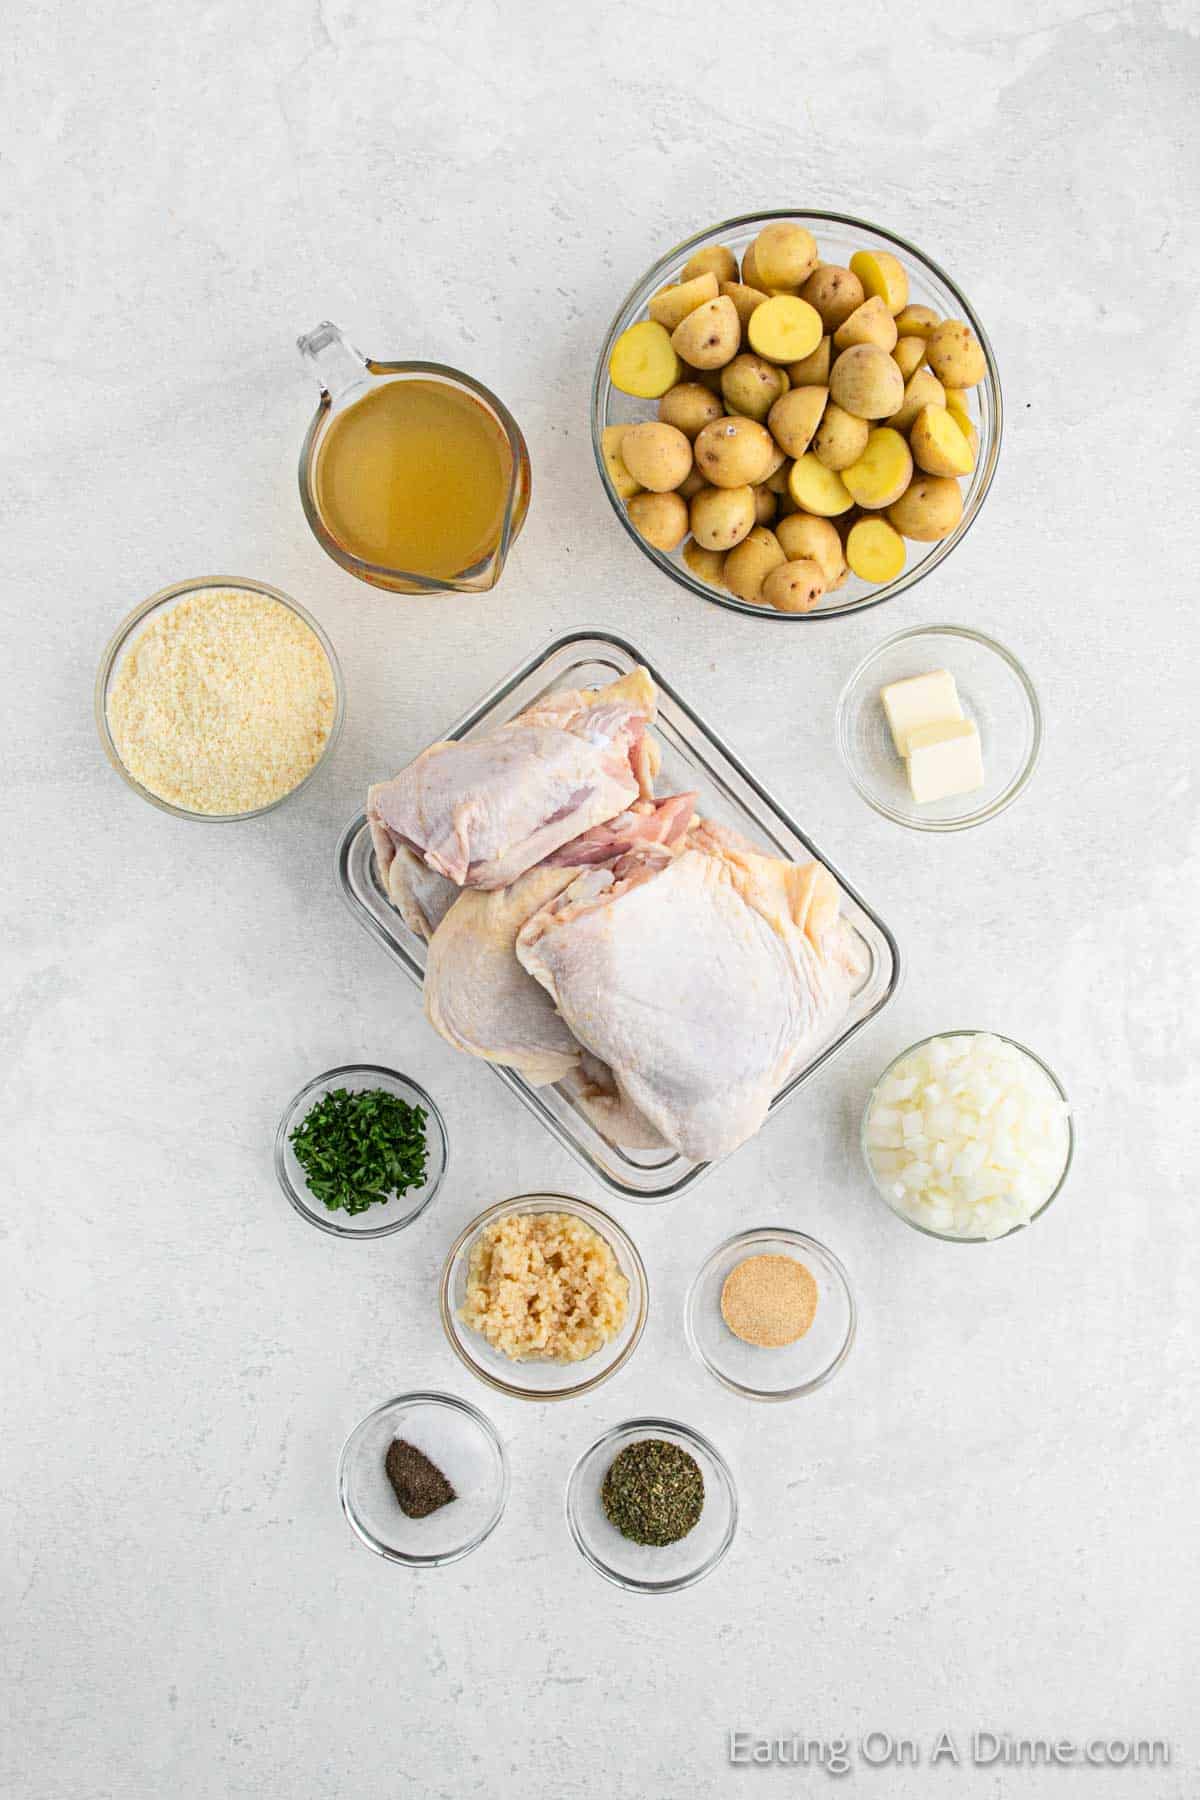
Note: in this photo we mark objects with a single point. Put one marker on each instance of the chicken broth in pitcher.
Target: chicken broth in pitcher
(415, 476)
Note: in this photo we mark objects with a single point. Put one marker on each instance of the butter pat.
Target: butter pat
(944, 760)
(921, 700)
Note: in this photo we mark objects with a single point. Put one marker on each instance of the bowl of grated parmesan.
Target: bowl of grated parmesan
(217, 698)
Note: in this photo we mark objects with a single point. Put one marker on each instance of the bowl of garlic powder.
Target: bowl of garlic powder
(217, 698)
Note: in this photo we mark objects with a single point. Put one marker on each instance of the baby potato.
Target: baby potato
(795, 416)
(908, 355)
(956, 354)
(662, 519)
(917, 321)
(751, 277)
(881, 274)
(803, 537)
(784, 329)
(656, 455)
(794, 587)
(813, 371)
(722, 517)
(751, 386)
(749, 563)
(643, 361)
(706, 565)
(956, 406)
(778, 458)
(713, 259)
(671, 305)
(691, 484)
(777, 482)
(735, 452)
(689, 407)
(745, 299)
(835, 292)
(709, 337)
(785, 255)
(765, 504)
(875, 550)
(929, 508)
(817, 489)
(882, 472)
(866, 382)
(870, 323)
(939, 446)
(840, 438)
(618, 474)
(921, 389)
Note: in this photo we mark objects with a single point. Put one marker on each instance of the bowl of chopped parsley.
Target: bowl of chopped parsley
(361, 1151)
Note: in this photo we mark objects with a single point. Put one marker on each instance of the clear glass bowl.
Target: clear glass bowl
(651, 1568)
(995, 692)
(793, 1369)
(838, 236)
(390, 1215)
(466, 1448)
(129, 629)
(948, 1237)
(540, 1379)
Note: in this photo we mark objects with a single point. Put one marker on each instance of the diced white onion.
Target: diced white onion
(969, 1136)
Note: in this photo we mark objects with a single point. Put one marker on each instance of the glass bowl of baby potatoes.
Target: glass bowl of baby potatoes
(796, 415)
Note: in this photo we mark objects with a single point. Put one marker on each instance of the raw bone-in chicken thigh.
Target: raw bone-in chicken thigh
(699, 984)
(480, 999)
(482, 811)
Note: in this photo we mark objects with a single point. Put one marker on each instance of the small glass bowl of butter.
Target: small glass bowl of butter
(939, 728)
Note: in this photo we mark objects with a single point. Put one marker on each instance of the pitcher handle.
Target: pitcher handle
(334, 361)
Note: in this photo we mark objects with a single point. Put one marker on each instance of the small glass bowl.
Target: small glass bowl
(949, 1237)
(538, 1379)
(130, 627)
(838, 236)
(649, 1568)
(793, 1369)
(391, 1215)
(466, 1448)
(995, 692)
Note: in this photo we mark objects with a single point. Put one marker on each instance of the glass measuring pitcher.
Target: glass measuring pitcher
(413, 476)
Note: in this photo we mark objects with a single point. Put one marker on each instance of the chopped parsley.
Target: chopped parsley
(358, 1150)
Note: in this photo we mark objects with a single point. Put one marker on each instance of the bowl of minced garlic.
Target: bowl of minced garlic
(218, 698)
(770, 1313)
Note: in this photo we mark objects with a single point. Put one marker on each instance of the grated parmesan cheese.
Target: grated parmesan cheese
(224, 703)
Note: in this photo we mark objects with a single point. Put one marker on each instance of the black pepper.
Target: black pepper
(418, 1484)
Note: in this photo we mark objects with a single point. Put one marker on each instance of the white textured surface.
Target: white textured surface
(989, 1518)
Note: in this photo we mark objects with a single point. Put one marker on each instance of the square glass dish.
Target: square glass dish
(694, 757)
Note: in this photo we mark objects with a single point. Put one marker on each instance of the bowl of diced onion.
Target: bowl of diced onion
(968, 1136)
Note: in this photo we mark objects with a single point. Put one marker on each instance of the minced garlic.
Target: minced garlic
(223, 703)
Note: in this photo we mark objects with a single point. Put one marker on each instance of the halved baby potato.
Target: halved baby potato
(618, 474)
(689, 406)
(921, 389)
(657, 456)
(785, 254)
(749, 563)
(881, 273)
(929, 508)
(882, 472)
(819, 490)
(710, 335)
(713, 259)
(706, 565)
(722, 517)
(662, 519)
(875, 550)
(735, 452)
(794, 587)
(643, 361)
(870, 323)
(908, 354)
(939, 445)
(813, 371)
(840, 438)
(671, 305)
(835, 292)
(795, 416)
(785, 329)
